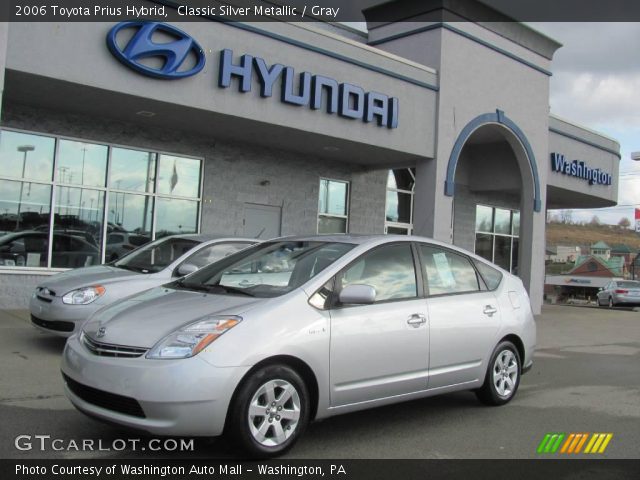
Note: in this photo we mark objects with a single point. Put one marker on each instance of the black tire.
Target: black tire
(488, 393)
(238, 427)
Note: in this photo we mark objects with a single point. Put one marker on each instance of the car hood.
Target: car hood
(143, 319)
(84, 277)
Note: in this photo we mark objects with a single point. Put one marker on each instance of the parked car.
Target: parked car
(64, 301)
(260, 343)
(619, 292)
(30, 248)
(121, 243)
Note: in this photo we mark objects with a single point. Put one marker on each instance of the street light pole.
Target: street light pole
(24, 149)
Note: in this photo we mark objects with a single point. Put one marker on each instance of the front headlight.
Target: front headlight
(193, 338)
(84, 296)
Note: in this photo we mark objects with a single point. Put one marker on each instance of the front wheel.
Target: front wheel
(503, 376)
(270, 411)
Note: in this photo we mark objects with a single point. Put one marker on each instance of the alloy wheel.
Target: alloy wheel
(274, 413)
(505, 373)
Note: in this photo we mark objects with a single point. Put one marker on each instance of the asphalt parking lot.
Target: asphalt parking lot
(586, 378)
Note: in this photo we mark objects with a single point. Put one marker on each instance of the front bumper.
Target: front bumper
(186, 397)
(52, 316)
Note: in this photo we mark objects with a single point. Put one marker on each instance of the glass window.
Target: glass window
(333, 197)
(398, 231)
(399, 206)
(332, 206)
(132, 170)
(26, 156)
(61, 184)
(77, 226)
(448, 272)
(24, 206)
(24, 249)
(179, 176)
(502, 221)
(484, 245)
(130, 213)
(484, 219)
(515, 224)
(502, 252)
(390, 270)
(331, 224)
(497, 231)
(81, 163)
(399, 201)
(176, 216)
(213, 253)
(157, 255)
(491, 276)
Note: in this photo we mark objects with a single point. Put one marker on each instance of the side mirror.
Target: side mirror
(357, 295)
(186, 269)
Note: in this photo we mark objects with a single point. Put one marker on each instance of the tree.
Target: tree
(595, 220)
(624, 222)
(567, 216)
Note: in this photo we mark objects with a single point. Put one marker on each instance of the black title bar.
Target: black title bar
(372, 11)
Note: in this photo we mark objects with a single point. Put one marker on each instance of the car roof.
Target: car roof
(207, 237)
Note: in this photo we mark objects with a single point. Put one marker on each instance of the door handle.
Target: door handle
(417, 319)
(489, 310)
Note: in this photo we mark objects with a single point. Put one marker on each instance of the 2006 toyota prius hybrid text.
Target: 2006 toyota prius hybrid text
(263, 341)
(61, 303)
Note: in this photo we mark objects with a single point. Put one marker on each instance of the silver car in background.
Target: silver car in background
(618, 293)
(62, 302)
(294, 329)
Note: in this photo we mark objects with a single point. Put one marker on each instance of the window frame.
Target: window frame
(106, 189)
(333, 215)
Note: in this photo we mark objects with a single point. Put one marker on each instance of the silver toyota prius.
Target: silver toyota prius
(61, 303)
(260, 343)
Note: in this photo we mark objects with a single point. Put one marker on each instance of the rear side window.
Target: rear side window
(490, 275)
(448, 272)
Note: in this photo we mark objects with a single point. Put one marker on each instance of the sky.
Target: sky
(596, 83)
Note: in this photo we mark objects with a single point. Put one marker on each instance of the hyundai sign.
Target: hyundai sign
(183, 57)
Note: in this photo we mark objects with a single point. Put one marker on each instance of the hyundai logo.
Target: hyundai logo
(101, 332)
(141, 46)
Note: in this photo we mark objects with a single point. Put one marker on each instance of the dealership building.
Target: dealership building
(262, 129)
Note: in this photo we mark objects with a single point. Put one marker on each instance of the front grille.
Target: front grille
(57, 325)
(109, 350)
(106, 400)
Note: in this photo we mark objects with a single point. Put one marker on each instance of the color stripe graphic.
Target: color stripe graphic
(574, 443)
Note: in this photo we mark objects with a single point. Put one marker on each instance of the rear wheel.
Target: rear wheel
(503, 376)
(270, 411)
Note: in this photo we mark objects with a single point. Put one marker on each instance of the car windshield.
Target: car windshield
(267, 270)
(155, 256)
(629, 284)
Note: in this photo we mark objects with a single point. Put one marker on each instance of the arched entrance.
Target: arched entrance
(493, 178)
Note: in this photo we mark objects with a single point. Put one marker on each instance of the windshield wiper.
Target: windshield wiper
(228, 289)
(133, 269)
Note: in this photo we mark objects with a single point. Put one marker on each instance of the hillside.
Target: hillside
(563, 234)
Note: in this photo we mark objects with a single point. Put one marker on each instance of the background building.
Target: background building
(433, 128)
